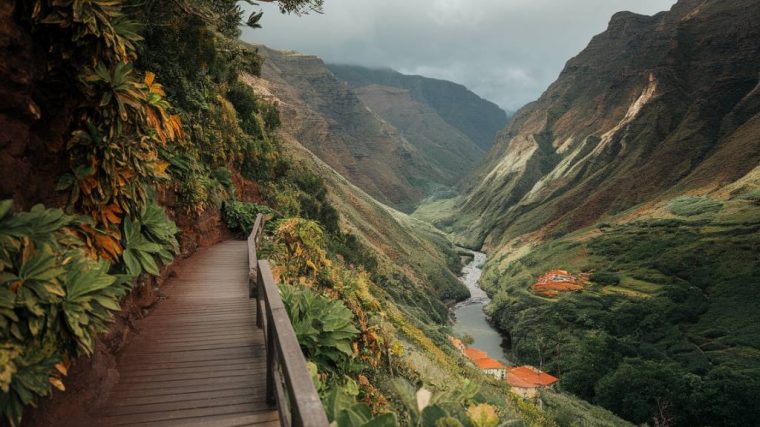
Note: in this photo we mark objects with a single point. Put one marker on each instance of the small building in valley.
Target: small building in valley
(556, 282)
(526, 381)
(489, 366)
(492, 367)
(474, 354)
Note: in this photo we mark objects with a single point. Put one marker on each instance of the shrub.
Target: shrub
(343, 410)
(324, 327)
(301, 247)
(240, 216)
(54, 299)
(148, 240)
(605, 278)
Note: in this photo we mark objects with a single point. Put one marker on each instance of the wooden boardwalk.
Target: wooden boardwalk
(200, 359)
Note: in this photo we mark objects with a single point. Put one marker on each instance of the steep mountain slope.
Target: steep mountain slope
(478, 119)
(654, 106)
(637, 172)
(445, 147)
(393, 235)
(333, 123)
(414, 264)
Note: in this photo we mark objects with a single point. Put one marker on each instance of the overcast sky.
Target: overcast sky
(507, 51)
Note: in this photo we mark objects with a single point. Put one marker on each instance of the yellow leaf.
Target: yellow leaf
(483, 415)
(55, 289)
(160, 167)
(110, 214)
(62, 368)
(57, 383)
(149, 77)
(109, 247)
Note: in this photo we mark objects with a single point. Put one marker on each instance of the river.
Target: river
(469, 316)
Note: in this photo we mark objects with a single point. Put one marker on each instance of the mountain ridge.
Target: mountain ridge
(643, 109)
(473, 115)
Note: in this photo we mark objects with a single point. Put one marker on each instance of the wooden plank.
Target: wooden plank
(198, 359)
(183, 414)
(185, 374)
(180, 395)
(200, 386)
(189, 356)
(202, 344)
(225, 347)
(180, 405)
(260, 419)
(246, 365)
(160, 365)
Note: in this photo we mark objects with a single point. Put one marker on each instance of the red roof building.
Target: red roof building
(475, 354)
(526, 380)
(555, 282)
(486, 364)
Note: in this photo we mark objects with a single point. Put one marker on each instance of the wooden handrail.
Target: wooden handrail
(288, 382)
(253, 243)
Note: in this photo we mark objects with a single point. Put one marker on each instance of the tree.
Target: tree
(729, 397)
(586, 365)
(467, 339)
(642, 390)
(296, 6)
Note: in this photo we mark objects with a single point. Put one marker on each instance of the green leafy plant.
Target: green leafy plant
(54, 300)
(150, 238)
(344, 411)
(303, 248)
(447, 407)
(324, 327)
(240, 216)
(605, 278)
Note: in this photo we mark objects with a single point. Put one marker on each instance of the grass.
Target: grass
(570, 411)
(688, 206)
(639, 286)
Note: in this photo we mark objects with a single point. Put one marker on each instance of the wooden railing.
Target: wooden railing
(288, 383)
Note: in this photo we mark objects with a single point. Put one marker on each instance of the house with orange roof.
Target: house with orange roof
(492, 367)
(556, 282)
(489, 366)
(474, 354)
(457, 343)
(526, 381)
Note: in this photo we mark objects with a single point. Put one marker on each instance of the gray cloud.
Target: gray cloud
(507, 51)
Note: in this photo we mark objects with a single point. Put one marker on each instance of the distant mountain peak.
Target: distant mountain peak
(477, 118)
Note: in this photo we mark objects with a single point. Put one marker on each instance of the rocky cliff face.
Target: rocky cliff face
(654, 106)
(474, 117)
(332, 122)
